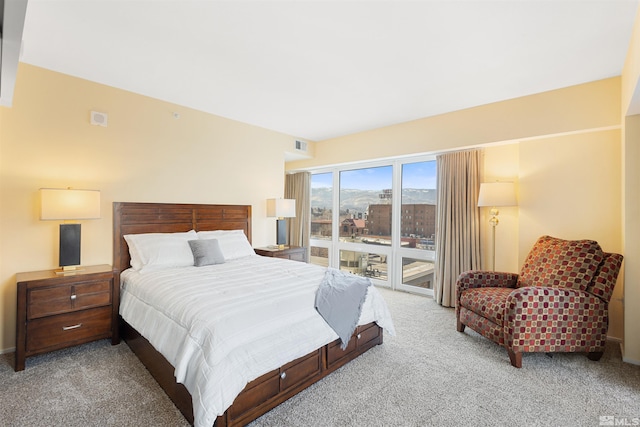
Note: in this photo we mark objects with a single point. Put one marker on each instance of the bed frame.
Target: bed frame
(262, 394)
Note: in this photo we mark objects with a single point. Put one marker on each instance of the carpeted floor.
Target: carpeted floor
(428, 375)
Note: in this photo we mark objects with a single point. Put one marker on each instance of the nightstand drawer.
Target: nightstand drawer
(297, 256)
(294, 253)
(47, 301)
(92, 294)
(62, 299)
(56, 331)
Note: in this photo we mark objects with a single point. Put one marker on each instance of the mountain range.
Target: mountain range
(359, 200)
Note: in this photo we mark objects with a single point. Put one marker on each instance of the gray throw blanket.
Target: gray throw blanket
(339, 301)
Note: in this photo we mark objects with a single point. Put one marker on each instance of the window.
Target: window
(377, 221)
(319, 256)
(321, 205)
(364, 264)
(419, 202)
(366, 193)
(417, 272)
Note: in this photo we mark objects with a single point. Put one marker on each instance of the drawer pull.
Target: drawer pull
(358, 336)
(73, 297)
(283, 375)
(67, 328)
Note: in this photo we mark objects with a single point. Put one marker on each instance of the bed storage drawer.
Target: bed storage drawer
(269, 388)
(301, 369)
(365, 335)
(257, 391)
(335, 353)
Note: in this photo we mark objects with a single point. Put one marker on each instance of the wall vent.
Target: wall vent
(99, 119)
(301, 146)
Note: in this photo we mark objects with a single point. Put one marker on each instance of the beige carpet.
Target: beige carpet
(428, 375)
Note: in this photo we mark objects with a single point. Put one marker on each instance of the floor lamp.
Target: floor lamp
(495, 194)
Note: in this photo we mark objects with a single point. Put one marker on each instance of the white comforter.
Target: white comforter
(222, 326)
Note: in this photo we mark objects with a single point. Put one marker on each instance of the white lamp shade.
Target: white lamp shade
(281, 208)
(62, 204)
(497, 194)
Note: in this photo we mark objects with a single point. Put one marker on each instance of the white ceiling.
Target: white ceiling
(321, 69)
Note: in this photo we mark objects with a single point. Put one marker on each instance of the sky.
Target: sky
(414, 175)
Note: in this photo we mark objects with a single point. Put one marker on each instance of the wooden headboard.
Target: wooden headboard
(136, 218)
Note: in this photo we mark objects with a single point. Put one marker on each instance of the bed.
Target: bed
(259, 391)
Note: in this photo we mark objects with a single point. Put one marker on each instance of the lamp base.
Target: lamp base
(69, 270)
(281, 232)
(69, 245)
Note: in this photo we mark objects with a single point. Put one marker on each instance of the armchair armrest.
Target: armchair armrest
(485, 279)
(548, 319)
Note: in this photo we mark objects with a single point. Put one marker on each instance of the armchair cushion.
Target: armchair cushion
(552, 319)
(605, 279)
(561, 263)
(483, 279)
(489, 303)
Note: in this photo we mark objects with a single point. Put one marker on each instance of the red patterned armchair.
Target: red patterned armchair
(558, 302)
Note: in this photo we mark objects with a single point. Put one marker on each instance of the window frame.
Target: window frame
(393, 253)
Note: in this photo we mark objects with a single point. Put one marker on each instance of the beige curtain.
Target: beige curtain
(298, 186)
(458, 221)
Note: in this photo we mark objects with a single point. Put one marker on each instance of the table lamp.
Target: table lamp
(66, 205)
(281, 209)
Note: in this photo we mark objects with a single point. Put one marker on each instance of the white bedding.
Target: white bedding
(224, 325)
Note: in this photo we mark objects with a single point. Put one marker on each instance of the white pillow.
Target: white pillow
(233, 243)
(160, 250)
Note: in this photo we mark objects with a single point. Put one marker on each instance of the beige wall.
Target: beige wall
(145, 154)
(588, 106)
(631, 70)
(631, 176)
(501, 163)
(562, 148)
(570, 186)
(631, 239)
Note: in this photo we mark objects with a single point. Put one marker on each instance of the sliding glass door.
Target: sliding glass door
(416, 252)
(321, 218)
(364, 240)
(377, 221)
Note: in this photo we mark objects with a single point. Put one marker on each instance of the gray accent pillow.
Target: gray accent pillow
(206, 252)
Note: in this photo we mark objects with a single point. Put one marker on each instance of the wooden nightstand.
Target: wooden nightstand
(295, 253)
(57, 311)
